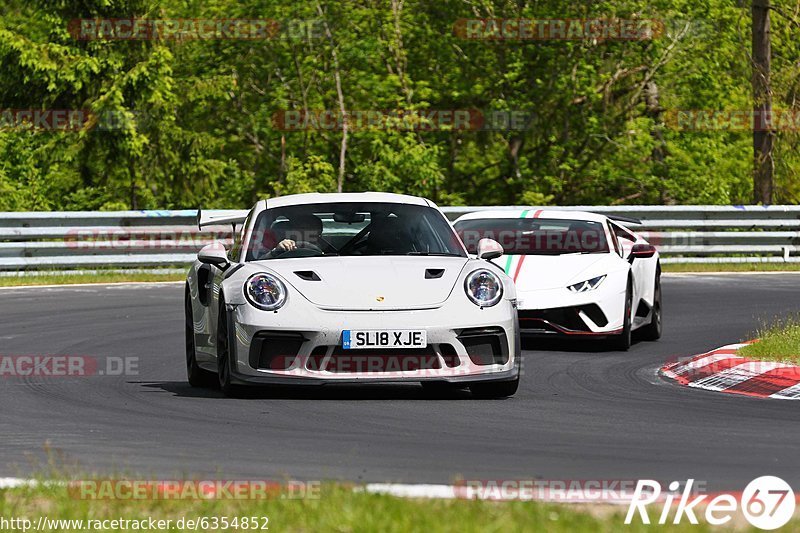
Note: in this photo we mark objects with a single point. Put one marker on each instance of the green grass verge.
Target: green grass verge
(779, 341)
(731, 267)
(71, 279)
(338, 508)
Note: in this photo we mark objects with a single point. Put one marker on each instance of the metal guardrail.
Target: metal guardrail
(143, 239)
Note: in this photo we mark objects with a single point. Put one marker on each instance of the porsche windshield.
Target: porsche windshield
(352, 229)
(540, 236)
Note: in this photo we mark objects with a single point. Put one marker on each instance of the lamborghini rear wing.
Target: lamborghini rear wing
(221, 217)
(623, 219)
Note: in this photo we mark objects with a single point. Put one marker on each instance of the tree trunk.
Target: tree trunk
(340, 95)
(763, 134)
(132, 174)
(654, 111)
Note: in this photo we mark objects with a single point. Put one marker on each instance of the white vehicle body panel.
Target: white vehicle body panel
(352, 293)
(542, 281)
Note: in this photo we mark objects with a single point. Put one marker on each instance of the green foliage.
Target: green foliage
(400, 163)
(188, 123)
(312, 175)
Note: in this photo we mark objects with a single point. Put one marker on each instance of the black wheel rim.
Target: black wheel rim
(658, 317)
(628, 307)
(626, 326)
(657, 308)
(223, 370)
(222, 354)
(189, 337)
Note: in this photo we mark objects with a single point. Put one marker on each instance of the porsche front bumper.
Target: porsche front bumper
(463, 347)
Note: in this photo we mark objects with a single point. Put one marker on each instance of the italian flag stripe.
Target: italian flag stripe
(514, 262)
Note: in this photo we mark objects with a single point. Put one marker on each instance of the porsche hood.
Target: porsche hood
(379, 283)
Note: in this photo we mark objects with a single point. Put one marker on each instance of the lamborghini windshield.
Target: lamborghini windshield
(540, 236)
(351, 229)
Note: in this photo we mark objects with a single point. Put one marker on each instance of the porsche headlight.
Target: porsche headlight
(588, 285)
(484, 288)
(265, 291)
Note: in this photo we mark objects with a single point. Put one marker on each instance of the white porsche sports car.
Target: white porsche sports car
(576, 273)
(353, 287)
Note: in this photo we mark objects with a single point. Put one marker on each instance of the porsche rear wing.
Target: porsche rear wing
(220, 217)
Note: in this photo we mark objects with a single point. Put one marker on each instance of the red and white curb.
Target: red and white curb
(722, 370)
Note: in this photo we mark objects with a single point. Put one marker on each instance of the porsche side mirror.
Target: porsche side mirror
(641, 251)
(213, 254)
(489, 249)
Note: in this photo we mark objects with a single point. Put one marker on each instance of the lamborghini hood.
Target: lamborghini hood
(542, 272)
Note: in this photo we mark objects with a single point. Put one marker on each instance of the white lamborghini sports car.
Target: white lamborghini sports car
(576, 273)
(344, 288)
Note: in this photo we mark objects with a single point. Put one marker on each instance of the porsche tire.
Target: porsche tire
(196, 376)
(224, 364)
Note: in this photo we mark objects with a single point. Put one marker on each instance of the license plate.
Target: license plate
(353, 339)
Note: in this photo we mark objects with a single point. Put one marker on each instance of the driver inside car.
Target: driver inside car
(302, 231)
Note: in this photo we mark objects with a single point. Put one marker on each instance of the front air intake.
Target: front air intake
(485, 346)
(274, 350)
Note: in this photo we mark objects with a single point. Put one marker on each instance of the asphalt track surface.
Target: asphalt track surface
(581, 413)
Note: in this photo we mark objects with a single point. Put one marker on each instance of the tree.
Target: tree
(194, 121)
(763, 134)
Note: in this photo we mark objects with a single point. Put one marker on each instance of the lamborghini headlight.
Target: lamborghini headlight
(265, 291)
(588, 285)
(484, 288)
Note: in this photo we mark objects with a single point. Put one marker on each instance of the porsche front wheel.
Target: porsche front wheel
(196, 376)
(224, 354)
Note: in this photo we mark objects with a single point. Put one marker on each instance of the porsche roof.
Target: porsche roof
(532, 212)
(356, 197)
